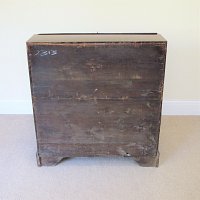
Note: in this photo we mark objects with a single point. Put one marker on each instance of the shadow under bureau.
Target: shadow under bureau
(97, 95)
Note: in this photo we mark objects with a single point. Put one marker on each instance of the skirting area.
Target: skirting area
(176, 178)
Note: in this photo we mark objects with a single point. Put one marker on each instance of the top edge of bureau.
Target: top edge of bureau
(96, 38)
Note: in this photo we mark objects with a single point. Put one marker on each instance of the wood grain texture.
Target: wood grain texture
(96, 72)
(100, 121)
(97, 99)
(112, 89)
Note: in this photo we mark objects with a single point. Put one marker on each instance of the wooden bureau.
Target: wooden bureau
(97, 95)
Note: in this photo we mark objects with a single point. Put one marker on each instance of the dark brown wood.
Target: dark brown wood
(100, 121)
(97, 95)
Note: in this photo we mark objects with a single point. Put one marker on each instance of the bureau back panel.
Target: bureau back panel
(97, 98)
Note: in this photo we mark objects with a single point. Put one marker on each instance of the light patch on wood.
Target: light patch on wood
(128, 110)
(136, 77)
(122, 152)
(148, 105)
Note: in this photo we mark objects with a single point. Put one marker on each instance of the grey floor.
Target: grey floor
(177, 178)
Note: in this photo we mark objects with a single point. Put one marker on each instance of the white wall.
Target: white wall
(177, 20)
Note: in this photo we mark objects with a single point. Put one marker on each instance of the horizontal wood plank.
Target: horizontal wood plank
(100, 121)
(97, 70)
(98, 89)
(103, 149)
(97, 63)
(87, 54)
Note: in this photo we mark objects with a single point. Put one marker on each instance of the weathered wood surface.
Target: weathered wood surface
(98, 72)
(100, 121)
(97, 99)
(86, 90)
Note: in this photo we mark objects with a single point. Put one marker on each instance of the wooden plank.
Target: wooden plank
(135, 72)
(96, 37)
(103, 149)
(107, 54)
(101, 121)
(94, 70)
(99, 89)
